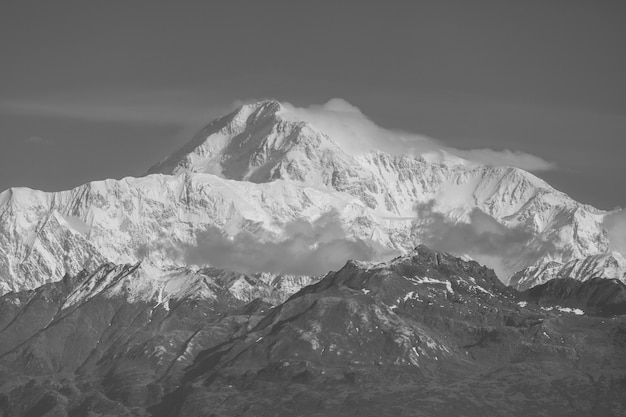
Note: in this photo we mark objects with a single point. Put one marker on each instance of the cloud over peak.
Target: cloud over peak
(339, 119)
(356, 133)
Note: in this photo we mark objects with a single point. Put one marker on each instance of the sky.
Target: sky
(94, 90)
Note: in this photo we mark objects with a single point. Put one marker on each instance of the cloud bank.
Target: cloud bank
(156, 108)
(356, 133)
(505, 157)
(305, 248)
(483, 238)
(615, 226)
(38, 140)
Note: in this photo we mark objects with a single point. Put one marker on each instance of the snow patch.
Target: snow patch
(569, 310)
(427, 280)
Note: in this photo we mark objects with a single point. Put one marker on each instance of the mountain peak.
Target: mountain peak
(251, 143)
(267, 141)
(252, 112)
(262, 167)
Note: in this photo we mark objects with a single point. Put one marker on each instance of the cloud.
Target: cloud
(356, 133)
(305, 248)
(507, 158)
(339, 119)
(38, 140)
(615, 226)
(339, 105)
(164, 108)
(483, 238)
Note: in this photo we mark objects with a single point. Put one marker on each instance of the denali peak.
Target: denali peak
(258, 170)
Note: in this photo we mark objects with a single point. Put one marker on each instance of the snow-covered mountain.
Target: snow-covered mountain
(607, 265)
(138, 283)
(262, 143)
(259, 170)
(46, 235)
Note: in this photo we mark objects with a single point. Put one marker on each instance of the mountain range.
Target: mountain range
(267, 269)
(258, 176)
(424, 334)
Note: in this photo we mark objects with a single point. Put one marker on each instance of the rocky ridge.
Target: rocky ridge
(423, 334)
(610, 265)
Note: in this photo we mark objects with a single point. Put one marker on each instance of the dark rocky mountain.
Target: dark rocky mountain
(102, 352)
(425, 334)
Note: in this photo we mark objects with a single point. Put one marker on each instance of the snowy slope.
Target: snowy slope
(261, 142)
(607, 265)
(144, 283)
(257, 169)
(45, 235)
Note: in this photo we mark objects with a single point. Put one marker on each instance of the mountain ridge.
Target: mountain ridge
(610, 265)
(282, 171)
(425, 333)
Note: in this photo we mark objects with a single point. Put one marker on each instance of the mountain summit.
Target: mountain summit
(267, 141)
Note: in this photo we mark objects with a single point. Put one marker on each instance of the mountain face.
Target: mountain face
(129, 329)
(105, 327)
(257, 170)
(46, 235)
(609, 265)
(423, 334)
(599, 296)
(261, 143)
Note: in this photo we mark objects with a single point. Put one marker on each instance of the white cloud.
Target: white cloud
(615, 226)
(505, 157)
(339, 105)
(167, 107)
(339, 119)
(38, 140)
(305, 248)
(482, 237)
(356, 133)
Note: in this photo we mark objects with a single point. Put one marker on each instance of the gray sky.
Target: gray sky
(90, 90)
